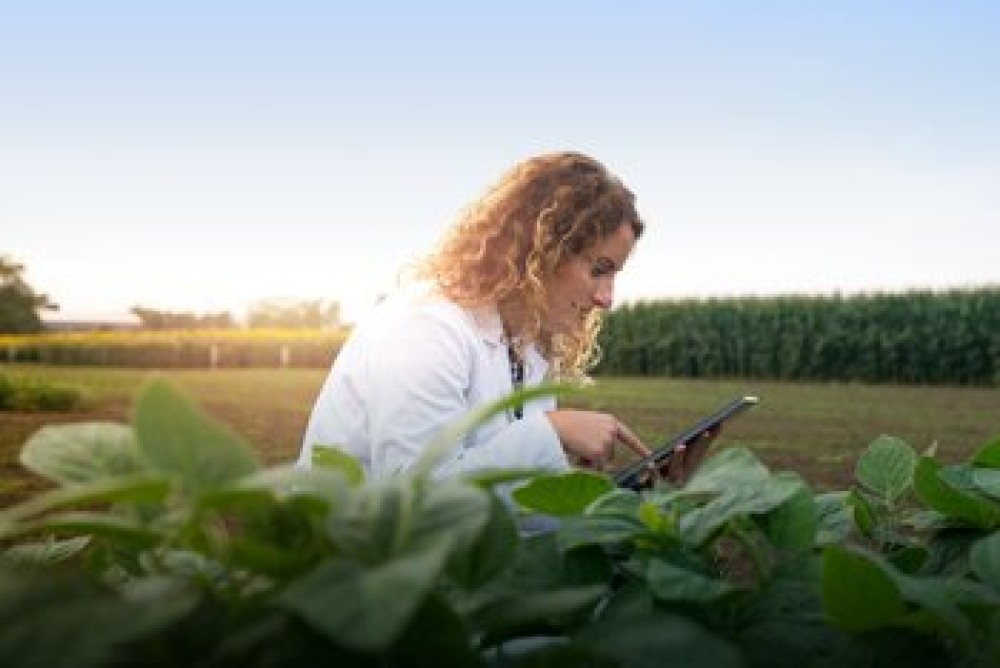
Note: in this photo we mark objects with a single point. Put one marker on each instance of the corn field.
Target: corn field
(918, 337)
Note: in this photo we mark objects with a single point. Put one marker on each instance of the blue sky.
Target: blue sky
(203, 156)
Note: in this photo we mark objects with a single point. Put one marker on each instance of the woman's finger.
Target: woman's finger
(624, 435)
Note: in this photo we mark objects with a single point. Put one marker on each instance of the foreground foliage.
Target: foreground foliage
(166, 543)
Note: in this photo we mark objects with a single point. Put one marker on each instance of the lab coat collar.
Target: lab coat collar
(490, 326)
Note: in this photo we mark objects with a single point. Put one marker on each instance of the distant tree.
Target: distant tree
(19, 303)
(155, 319)
(314, 314)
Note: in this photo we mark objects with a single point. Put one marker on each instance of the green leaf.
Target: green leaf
(328, 456)
(834, 516)
(584, 530)
(936, 599)
(730, 468)
(670, 582)
(563, 494)
(793, 525)
(437, 637)
(858, 592)
(177, 438)
(57, 619)
(49, 551)
(84, 452)
(863, 512)
(886, 467)
(366, 609)
(479, 525)
(119, 530)
(656, 640)
(987, 481)
(284, 482)
(988, 456)
(530, 613)
(700, 524)
(984, 559)
(376, 522)
(140, 488)
(943, 495)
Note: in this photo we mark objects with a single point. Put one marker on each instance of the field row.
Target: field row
(814, 429)
(197, 348)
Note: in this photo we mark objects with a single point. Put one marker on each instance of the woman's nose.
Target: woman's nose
(604, 295)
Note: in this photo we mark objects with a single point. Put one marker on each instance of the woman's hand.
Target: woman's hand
(593, 437)
(687, 458)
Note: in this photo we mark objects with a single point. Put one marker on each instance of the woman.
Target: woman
(512, 297)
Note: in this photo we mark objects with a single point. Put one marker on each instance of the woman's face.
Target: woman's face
(586, 281)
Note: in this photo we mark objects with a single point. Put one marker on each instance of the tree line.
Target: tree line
(917, 336)
(19, 303)
(306, 314)
(21, 307)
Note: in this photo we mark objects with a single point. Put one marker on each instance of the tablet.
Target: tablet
(638, 475)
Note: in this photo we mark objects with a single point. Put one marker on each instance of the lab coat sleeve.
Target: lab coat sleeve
(530, 442)
(421, 377)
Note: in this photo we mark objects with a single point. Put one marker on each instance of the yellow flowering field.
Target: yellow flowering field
(235, 347)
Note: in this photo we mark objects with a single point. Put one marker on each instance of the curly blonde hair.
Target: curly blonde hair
(509, 243)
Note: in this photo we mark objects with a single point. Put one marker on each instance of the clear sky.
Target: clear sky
(202, 156)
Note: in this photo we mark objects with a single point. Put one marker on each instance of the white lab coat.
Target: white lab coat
(416, 365)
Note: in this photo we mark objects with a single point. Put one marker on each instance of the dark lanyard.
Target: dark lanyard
(516, 377)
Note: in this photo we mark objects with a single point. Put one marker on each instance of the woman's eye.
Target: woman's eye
(598, 270)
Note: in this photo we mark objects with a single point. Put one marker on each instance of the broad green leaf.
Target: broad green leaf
(732, 467)
(618, 502)
(834, 516)
(934, 597)
(658, 520)
(907, 558)
(480, 527)
(583, 530)
(858, 592)
(700, 524)
(530, 613)
(451, 507)
(285, 482)
(670, 582)
(48, 551)
(376, 523)
(138, 488)
(944, 496)
(987, 481)
(279, 560)
(118, 530)
(886, 467)
(491, 478)
(785, 625)
(58, 619)
(656, 640)
(84, 452)
(437, 636)
(984, 559)
(179, 439)
(989, 455)
(537, 565)
(793, 525)
(366, 608)
(492, 552)
(863, 511)
(328, 456)
(562, 494)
